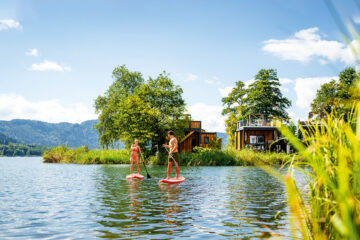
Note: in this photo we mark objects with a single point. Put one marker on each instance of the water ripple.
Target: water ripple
(57, 201)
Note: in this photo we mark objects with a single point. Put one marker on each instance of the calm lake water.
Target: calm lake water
(57, 201)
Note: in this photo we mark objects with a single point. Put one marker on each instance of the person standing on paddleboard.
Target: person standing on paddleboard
(173, 153)
(135, 148)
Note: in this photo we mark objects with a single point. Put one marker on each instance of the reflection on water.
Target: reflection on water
(226, 202)
(72, 201)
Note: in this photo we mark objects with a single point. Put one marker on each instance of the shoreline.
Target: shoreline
(202, 157)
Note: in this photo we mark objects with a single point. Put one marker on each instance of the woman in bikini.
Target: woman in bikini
(135, 148)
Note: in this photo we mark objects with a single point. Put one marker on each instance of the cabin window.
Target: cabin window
(257, 139)
(253, 139)
(206, 140)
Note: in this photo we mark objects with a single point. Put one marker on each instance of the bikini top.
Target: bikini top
(134, 149)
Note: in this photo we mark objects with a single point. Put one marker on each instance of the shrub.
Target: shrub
(82, 155)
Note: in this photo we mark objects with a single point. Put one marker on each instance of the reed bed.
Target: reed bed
(228, 157)
(330, 161)
(82, 155)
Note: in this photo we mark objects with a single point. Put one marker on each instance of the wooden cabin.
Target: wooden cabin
(256, 133)
(195, 136)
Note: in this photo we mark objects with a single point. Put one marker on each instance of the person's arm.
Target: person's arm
(167, 146)
(141, 154)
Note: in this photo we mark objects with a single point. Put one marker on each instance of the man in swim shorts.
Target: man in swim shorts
(173, 153)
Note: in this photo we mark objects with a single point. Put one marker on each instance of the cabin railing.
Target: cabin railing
(254, 123)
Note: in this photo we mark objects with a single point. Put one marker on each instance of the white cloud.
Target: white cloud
(191, 77)
(16, 107)
(224, 92)
(305, 89)
(284, 81)
(32, 52)
(247, 83)
(210, 115)
(284, 90)
(356, 19)
(308, 44)
(323, 62)
(49, 66)
(213, 81)
(6, 24)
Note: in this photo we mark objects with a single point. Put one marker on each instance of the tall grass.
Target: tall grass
(331, 153)
(228, 157)
(82, 155)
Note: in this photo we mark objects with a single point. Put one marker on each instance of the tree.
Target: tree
(125, 84)
(336, 95)
(326, 99)
(261, 97)
(264, 96)
(234, 109)
(215, 143)
(165, 99)
(134, 109)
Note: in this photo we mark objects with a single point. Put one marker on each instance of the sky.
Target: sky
(56, 57)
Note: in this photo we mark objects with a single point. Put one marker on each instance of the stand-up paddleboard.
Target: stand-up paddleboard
(135, 175)
(172, 180)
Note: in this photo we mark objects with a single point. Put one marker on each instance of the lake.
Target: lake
(57, 201)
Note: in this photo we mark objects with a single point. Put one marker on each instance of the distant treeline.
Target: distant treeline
(19, 149)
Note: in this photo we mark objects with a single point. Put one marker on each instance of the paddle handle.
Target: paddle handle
(170, 155)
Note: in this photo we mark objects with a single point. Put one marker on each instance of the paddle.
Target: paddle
(170, 155)
(147, 173)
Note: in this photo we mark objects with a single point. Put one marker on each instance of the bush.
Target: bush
(229, 157)
(82, 155)
(248, 157)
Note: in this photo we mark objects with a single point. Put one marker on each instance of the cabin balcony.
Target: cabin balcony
(254, 123)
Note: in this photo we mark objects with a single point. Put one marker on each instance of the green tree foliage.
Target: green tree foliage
(234, 107)
(19, 149)
(124, 85)
(261, 97)
(215, 143)
(336, 95)
(264, 96)
(136, 109)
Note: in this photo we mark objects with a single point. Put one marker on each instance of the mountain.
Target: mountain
(50, 134)
(6, 140)
(54, 134)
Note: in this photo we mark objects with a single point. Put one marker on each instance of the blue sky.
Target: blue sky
(56, 57)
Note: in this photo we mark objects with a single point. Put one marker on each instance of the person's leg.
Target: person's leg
(132, 163)
(137, 165)
(169, 169)
(177, 169)
(176, 164)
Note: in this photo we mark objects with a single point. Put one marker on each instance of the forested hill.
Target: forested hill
(6, 140)
(54, 134)
(50, 134)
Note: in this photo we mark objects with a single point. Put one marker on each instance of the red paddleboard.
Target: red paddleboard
(135, 175)
(172, 180)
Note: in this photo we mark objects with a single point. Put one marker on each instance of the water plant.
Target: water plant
(330, 161)
(82, 155)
